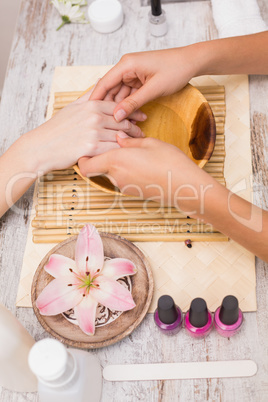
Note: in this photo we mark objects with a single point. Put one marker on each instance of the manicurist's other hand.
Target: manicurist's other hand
(150, 168)
(154, 170)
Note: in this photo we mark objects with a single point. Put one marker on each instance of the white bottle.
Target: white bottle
(15, 344)
(65, 375)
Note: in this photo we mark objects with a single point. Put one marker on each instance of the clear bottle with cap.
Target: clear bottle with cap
(15, 344)
(168, 317)
(198, 320)
(65, 375)
(157, 19)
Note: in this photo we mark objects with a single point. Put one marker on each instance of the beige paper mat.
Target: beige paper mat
(209, 270)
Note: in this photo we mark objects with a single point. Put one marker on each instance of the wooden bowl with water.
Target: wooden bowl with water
(183, 119)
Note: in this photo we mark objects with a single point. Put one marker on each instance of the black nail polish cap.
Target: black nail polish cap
(156, 7)
(198, 313)
(229, 311)
(167, 311)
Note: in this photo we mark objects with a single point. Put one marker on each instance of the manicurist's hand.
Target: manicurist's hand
(147, 167)
(141, 77)
(151, 169)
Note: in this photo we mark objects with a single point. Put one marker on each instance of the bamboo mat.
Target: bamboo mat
(65, 202)
(209, 269)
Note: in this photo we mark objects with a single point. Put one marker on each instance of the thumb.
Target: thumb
(137, 99)
(95, 166)
(128, 142)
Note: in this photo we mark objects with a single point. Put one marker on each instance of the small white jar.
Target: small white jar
(105, 16)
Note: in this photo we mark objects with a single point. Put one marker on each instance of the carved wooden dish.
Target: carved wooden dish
(183, 119)
(142, 292)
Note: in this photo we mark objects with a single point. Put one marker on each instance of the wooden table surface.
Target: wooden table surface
(37, 49)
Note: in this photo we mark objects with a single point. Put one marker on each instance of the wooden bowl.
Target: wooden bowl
(142, 292)
(183, 119)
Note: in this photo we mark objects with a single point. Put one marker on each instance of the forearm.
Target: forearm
(238, 55)
(233, 216)
(18, 171)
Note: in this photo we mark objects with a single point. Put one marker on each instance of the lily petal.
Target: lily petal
(58, 297)
(118, 267)
(58, 265)
(85, 313)
(89, 255)
(111, 294)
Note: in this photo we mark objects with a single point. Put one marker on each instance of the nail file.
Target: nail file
(180, 371)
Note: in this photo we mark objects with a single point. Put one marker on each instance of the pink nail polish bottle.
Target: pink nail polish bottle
(198, 319)
(168, 316)
(228, 317)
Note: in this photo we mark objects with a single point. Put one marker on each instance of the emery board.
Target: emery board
(180, 371)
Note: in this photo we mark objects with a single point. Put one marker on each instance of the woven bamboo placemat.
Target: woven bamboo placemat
(65, 202)
(209, 269)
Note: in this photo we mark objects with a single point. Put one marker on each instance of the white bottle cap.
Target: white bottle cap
(105, 16)
(48, 359)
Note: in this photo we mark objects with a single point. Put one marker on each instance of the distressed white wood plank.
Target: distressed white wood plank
(37, 49)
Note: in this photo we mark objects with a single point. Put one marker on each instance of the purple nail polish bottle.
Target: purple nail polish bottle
(228, 317)
(198, 319)
(168, 316)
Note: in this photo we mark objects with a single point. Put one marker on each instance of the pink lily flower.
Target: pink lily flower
(85, 282)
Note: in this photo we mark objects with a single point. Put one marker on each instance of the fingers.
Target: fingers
(131, 129)
(110, 96)
(137, 99)
(111, 80)
(125, 125)
(129, 142)
(138, 116)
(122, 94)
(109, 135)
(105, 107)
(125, 142)
(96, 166)
(133, 90)
(108, 105)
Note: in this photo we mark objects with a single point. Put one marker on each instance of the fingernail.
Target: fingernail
(144, 116)
(142, 134)
(120, 115)
(121, 134)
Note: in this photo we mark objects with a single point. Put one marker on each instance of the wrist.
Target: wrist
(31, 152)
(196, 55)
(204, 57)
(199, 196)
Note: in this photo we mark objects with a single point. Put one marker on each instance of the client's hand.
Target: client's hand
(83, 128)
